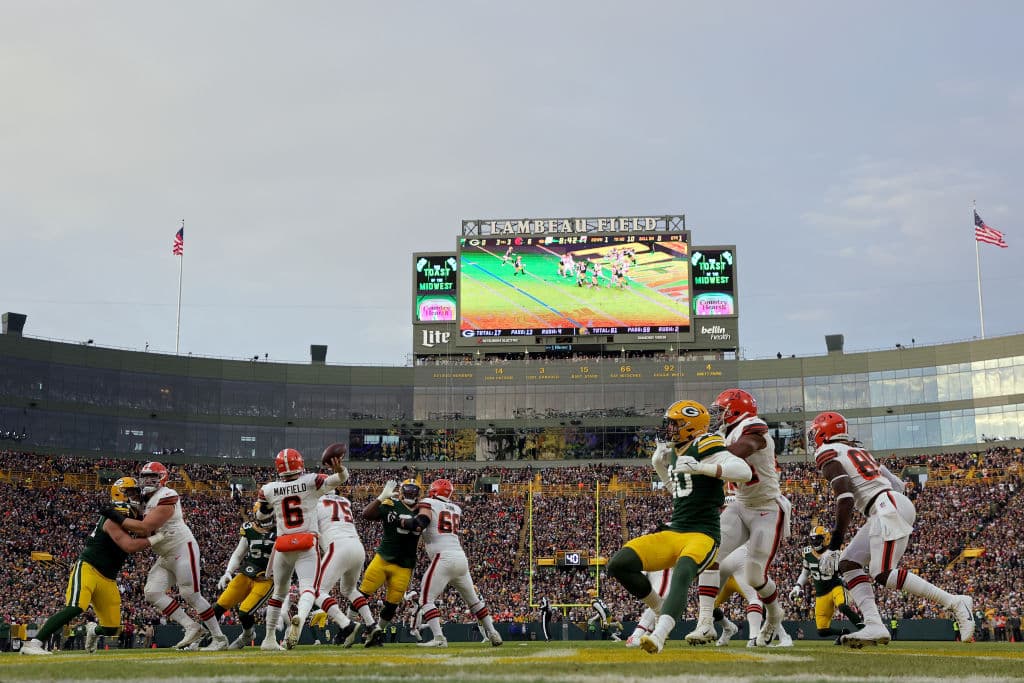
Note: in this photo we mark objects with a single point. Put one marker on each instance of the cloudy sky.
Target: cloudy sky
(312, 147)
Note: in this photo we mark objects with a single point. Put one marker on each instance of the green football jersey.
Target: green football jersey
(261, 542)
(822, 586)
(102, 552)
(697, 500)
(397, 545)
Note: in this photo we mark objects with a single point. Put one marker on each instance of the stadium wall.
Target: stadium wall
(90, 400)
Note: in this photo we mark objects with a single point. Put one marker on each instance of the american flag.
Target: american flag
(179, 242)
(983, 233)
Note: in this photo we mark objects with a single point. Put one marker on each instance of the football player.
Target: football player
(395, 557)
(342, 560)
(858, 480)
(249, 589)
(829, 593)
(293, 498)
(177, 559)
(760, 516)
(437, 519)
(692, 464)
(93, 577)
(601, 611)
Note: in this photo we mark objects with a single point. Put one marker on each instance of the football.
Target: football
(336, 451)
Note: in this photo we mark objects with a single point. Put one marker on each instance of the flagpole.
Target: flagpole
(181, 267)
(977, 265)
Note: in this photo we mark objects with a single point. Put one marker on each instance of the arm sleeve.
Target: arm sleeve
(802, 579)
(660, 460)
(732, 468)
(897, 483)
(236, 557)
(335, 480)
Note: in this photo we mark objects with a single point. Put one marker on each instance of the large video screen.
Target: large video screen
(714, 280)
(434, 283)
(573, 285)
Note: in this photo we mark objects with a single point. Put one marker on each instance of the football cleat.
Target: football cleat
(193, 633)
(703, 634)
(375, 637)
(962, 607)
(350, 640)
(217, 644)
(872, 634)
(344, 632)
(782, 638)
(652, 643)
(34, 647)
(634, 639)
(238, 643)
(434, 642)
(270, 645)
(729, 629)
(291, 639)
(495, 638)
(91, 637)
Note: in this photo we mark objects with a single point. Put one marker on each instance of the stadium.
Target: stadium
(545, 353)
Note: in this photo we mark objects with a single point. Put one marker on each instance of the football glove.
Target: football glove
(224, 581)
(111, 513)
(795, 593)
(157, 537)
(687, 465)
(388, 490)
(828, 563)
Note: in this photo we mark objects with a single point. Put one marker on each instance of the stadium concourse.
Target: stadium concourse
(972, 501)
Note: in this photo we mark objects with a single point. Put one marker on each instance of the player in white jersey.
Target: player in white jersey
(760, 516)
(342, 557)
(860, 482)
(293, 499)
(438, 520)
(177, 559)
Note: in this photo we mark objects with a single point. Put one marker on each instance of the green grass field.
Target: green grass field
(518, 662)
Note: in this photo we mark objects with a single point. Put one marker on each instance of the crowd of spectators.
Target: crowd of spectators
(968, 501)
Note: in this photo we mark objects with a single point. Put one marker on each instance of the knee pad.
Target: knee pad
(153, 596)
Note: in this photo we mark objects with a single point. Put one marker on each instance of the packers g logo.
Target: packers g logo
(690, 411)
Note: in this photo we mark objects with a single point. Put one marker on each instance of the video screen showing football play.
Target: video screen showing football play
(574, 284)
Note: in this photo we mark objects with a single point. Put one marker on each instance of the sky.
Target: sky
(311, 148)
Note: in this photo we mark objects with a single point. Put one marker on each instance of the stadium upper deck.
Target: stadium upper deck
(87, 399)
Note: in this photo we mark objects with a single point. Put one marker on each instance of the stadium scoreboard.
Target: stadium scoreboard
(568, 284)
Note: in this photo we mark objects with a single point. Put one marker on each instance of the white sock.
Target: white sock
(653, 600)
(273, 614)
(858, 585)
(915, 585)
(665, 626)
(707, 590)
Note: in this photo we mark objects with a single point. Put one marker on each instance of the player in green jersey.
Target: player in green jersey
(250, 588)
(92, 580)
(692, 464)
(829, 594)
(395, 557)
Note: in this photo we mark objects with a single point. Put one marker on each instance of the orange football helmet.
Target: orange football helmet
(827, 426)
(153, 475)
(289, 462)
(731, 406)
(440, 488)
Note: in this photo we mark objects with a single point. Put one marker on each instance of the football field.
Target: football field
(520, 662)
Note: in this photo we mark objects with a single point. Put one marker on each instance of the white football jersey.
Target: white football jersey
(442, 534)
(763, 488)
(335, 519)
(176, 522)
(295, 502)
(865, 473)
